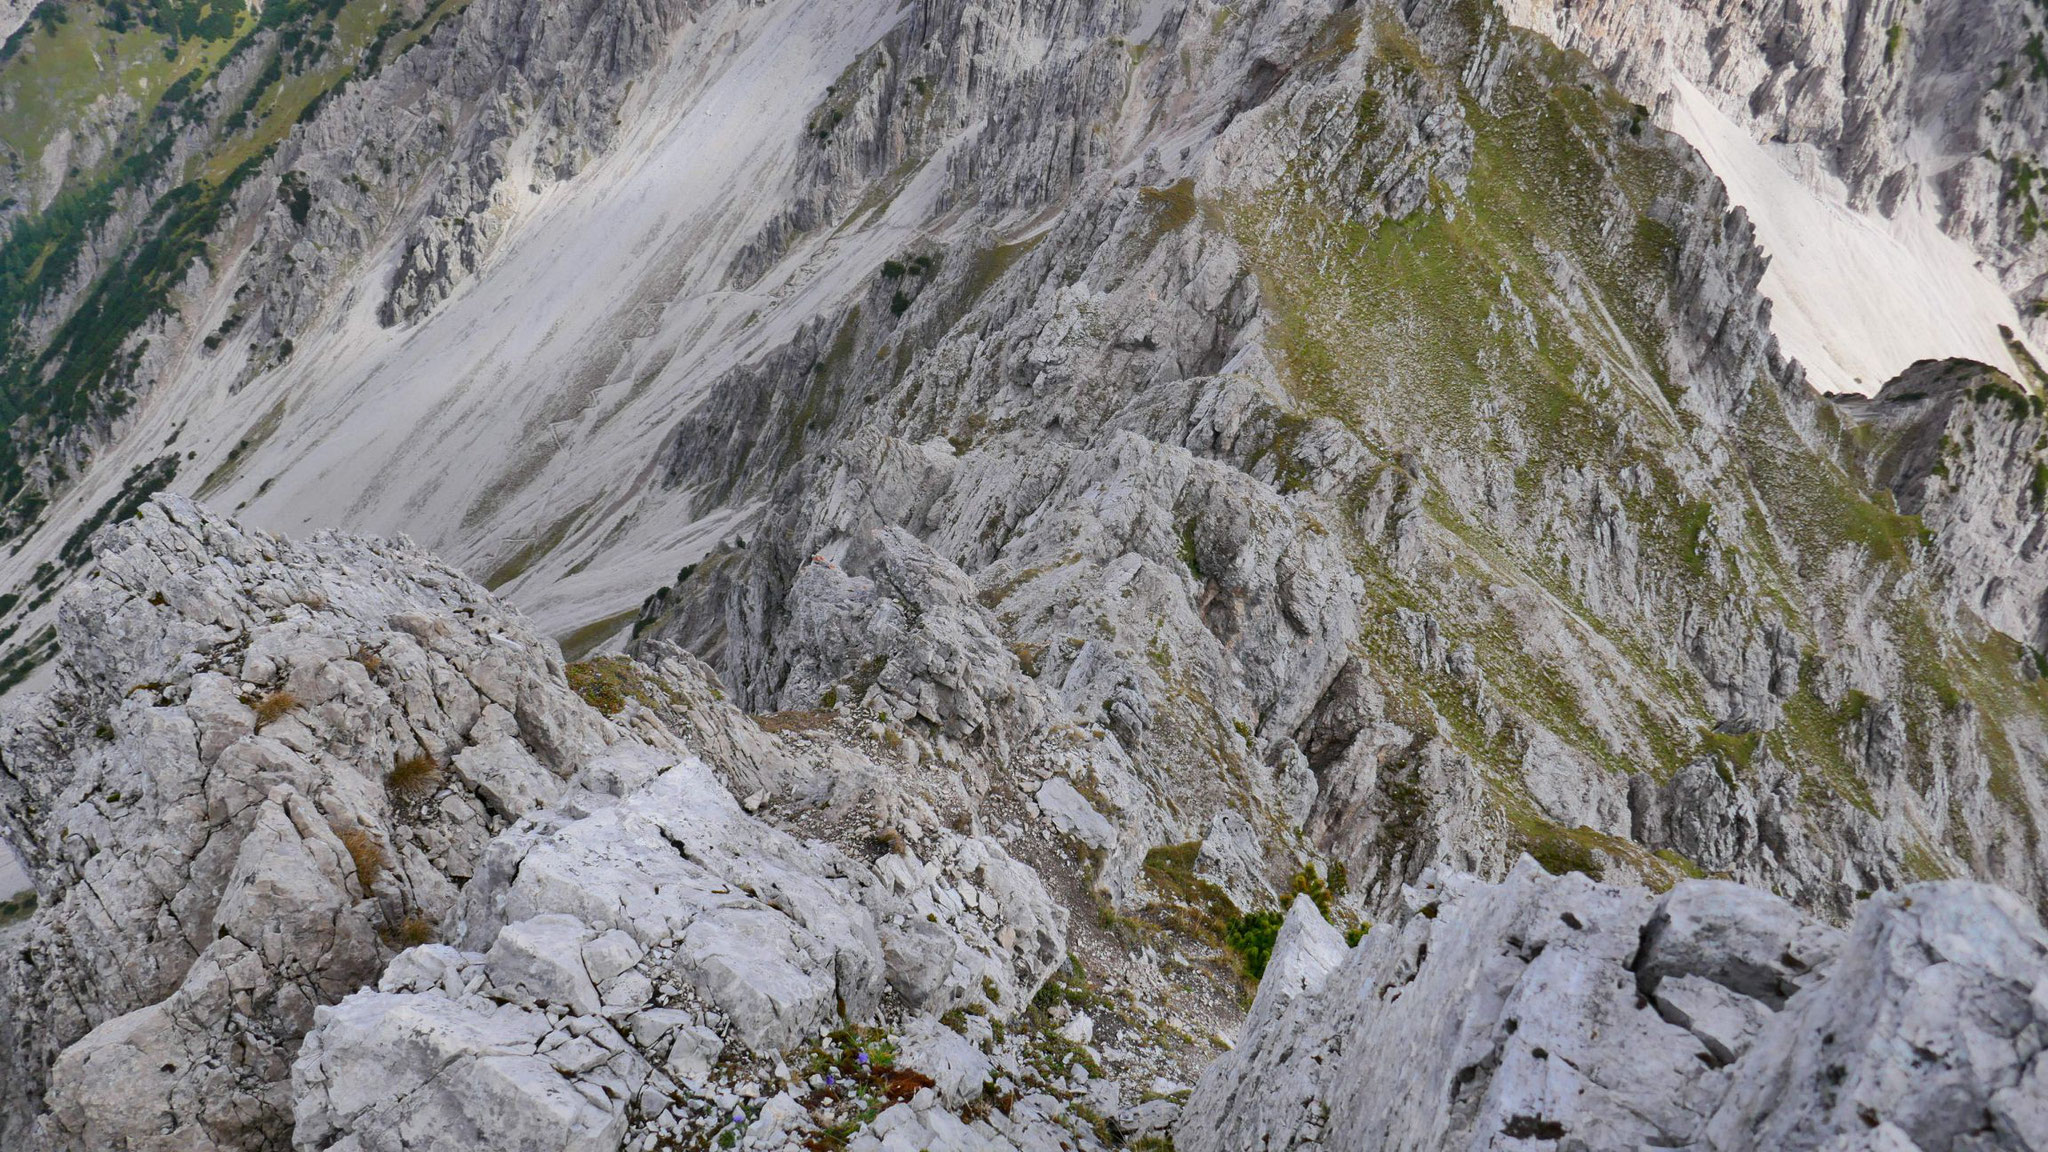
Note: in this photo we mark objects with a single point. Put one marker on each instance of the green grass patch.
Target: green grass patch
(1173, 207)
(608, 682)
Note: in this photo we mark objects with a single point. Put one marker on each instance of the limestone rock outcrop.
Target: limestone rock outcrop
(258, 774)
(1575, 1014)
(268, 769)
(1144, 480)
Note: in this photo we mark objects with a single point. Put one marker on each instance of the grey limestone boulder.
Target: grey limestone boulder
(1560, 1012)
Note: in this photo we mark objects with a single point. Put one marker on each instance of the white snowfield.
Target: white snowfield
(13, 876)
(1855, 298)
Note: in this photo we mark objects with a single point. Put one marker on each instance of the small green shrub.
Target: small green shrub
(1310, 883)
(17, 908)
(1251, 937)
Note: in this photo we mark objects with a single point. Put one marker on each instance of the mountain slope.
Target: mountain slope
(1416, 470)
(1252, 447)
(1361, 417)
(1892, 147)
(1079, 476)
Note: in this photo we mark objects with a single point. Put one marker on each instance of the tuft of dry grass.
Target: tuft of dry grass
(414, 931)
(806, 721)
(900, 1084)
(414, 778)
(367, 854)
(273, 706)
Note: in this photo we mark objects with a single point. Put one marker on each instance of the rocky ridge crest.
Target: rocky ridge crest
(266, 925)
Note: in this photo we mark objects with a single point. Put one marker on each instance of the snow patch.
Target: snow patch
(1856, 298)
(14, 878)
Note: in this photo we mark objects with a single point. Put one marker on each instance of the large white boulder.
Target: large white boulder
(541, 960)
(410, 1073)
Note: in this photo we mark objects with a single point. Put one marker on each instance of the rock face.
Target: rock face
(333, 856)
(269, 767)
(1573, 1014)
(255, 778)
(12, 14)
(1079, 386)
(1217, 465)
(1961, 447)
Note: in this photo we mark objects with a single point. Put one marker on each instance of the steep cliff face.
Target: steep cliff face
(1961, 447)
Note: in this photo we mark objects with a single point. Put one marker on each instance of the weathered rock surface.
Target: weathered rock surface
(1076, 416)
(1960, 446)
(212, 805)
(1569, 1013)
(1342, 590)
(420, 1072)
(646, 960)
(312, 756)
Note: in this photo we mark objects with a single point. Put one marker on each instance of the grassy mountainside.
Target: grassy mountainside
(129, 129)
(163, 110)
(1511, 335)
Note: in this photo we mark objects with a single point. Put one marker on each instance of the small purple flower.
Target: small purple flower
(739, 1117)
(831, 1080)
(863, 1058)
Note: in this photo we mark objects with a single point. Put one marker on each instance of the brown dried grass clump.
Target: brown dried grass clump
(367, 854)
(900, 1084)
(414, 931)
(273, 706)
(414, 778)
(802, 721)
